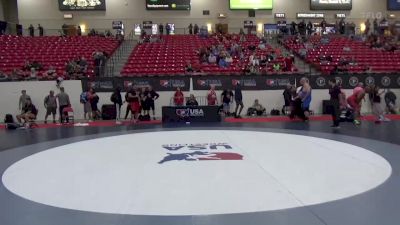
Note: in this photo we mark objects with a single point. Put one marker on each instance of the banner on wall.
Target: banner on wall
(275, 82)
(350, 81)
(158, 83)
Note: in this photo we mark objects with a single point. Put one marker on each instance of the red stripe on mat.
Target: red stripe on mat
(94, 124)
(287, 119)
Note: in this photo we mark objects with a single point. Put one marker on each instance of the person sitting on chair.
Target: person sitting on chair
(29, 112)
(192, 101)
(257, 108)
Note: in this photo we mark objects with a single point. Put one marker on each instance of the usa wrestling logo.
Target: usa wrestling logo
(199, 152)
(188, 112)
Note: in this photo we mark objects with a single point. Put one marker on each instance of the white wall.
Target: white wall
(10, 92)
(46, 13)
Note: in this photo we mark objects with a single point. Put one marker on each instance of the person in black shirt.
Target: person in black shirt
(309, 28)
(238, 100)
(128, 101)
(335, 93)
(116, 98)
(190, 29)
(161, 29)
(192, 101)
(226, 96)
(151, 97)
(287, 97)
(31, 30)
(41, 31)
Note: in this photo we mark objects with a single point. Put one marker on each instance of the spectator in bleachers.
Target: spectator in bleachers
(309, 28)
(33, 74)
(293, 26)
(277, 67)
(178, 97)
(323, 25)
(189, 68)
(79, 31)
(108, 33)
(27, 65)
(367, 27)
(31, 30)
(212, 59)
(302, 27)
(161, 29)
(50, 74)
(3, 76)
(41, 30)
(63, 102)
(222, 61)
(228, 60)
(192, 101)
(342, 26)
(83, 65)
(190, 27)
(50, 103)
(168, 28)
(29, 112)
(195, 29)
(64, 28)
(376, 26)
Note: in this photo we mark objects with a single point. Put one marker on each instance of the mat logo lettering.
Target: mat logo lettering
(199, 152)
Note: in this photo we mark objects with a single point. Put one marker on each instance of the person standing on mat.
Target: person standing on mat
(63, 102)
(22, 100)
(375, 99)
(127, 100)
(305, 96)
(355, 102)
(152, 96)
(116, 98)
(335, 92)
(50, 103)
(134, 103)
(238, 100)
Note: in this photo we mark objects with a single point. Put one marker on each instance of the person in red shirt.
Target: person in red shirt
(179, 97)
(134, 103)
(212, 96)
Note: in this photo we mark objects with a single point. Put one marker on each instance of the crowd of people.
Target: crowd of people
(141, 103)
(233, 51)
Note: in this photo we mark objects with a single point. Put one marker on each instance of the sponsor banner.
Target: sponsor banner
(158, 83)
(81, 5)
(277, 82)
(350, 81)
(100, 85)
(172, 114)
